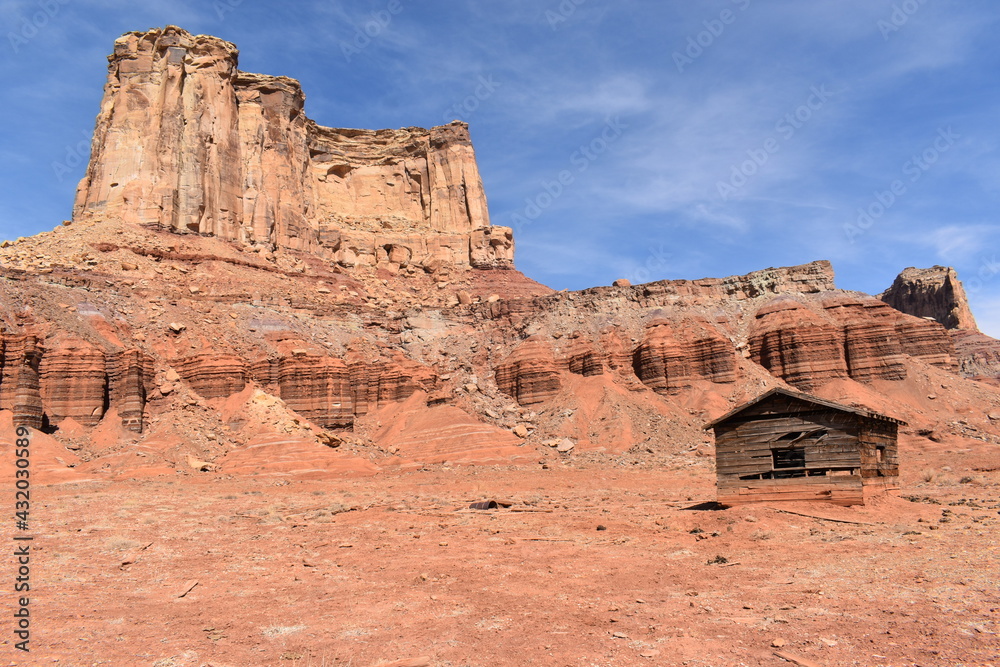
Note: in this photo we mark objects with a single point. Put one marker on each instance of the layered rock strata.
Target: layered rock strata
(792, 321)
(848, 337)
(187, 142)
(674, 355)
(43, 383)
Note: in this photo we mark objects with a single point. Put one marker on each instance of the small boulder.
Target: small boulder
(565, 445)
(201, 466)
(329, 439)
(622, 282)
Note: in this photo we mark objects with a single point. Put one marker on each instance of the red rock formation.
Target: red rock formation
(936, 293)
(74, 382)
(213, 375)
(388, 381)
(674, 354)
(130, 372)
(186, 141)
(20, 390)
(796, 344)
(927, 340)
(318, 388)
(581, 357)
(331, 392)
(852, 336)
(871, 347)
(530, 373)
(73, 378)
(978, 354)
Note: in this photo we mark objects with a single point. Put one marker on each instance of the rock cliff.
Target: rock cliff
(187, 142)
(936, 293)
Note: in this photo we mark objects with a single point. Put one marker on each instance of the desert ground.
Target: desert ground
(597, 560)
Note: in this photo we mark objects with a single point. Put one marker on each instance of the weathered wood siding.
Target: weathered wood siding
(875, 434)
(744, 447)
(836, 452)
(845, 490)
(744, 444)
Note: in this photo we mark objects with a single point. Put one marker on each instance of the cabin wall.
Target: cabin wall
(832, 463)
(744, 447)
(879, 474)
(846, 490)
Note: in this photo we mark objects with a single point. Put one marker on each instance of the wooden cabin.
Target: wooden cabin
(785, 445)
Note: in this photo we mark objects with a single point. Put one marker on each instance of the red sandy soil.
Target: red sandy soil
(395, 567)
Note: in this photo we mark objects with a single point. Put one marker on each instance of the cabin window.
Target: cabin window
(788, 458)
(796, 436)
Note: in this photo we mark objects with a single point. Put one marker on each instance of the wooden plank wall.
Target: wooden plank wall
(875, 433)
(744, 447)
(839, 490)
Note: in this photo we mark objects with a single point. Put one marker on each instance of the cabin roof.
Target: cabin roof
(808, 398)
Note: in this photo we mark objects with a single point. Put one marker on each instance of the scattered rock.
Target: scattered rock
(177, 327)
(329, 439)
(520, 431)
(622, 282)
(565, 445)
(202, 466)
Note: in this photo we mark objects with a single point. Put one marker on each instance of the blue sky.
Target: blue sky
(635, 138)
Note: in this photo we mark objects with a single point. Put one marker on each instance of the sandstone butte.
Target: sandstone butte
(244, 291)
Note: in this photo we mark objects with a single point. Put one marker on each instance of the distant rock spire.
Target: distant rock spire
(936, 293)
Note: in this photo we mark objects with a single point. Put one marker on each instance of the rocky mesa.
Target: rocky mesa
(188, 142)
